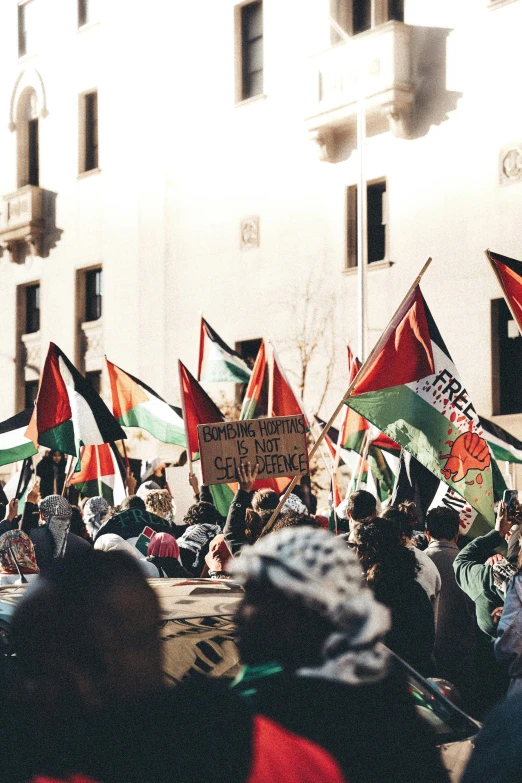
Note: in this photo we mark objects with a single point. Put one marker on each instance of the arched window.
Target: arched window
(28, 165)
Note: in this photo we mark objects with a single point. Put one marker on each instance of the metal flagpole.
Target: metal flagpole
(362, 212)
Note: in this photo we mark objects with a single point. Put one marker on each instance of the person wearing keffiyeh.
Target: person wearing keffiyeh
(16, 548)
(310, 633)
(95, 512)
(52, 539)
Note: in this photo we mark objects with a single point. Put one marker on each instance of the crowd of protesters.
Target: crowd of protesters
(323, 618)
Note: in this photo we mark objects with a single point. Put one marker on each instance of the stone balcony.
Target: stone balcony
(376, 66)
(22, 223)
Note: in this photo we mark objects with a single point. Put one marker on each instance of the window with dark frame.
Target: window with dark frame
(90, 131)
(361, 15)
(34, 158)
(376, 230)
(30, 393)
(22, 30)
(248, 350)
(83, 12)
(93, 294)
(94, 378)
(251, 50)
(506, 355)
(32, 308)
(357, 16)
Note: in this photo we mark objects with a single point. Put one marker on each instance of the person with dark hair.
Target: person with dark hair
(92, 701)
(294, 519)
(51, 472)
(391, 571)
(310, 636)
(132, 501)
(362, 506)
(403, 517)
(202, 521)
(454, 620)
(77, 527)
(248, 514)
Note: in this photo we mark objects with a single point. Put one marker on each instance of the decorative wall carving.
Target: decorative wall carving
(249, 232)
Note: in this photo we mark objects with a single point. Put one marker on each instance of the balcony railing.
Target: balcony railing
(374, 65)
(22, 222)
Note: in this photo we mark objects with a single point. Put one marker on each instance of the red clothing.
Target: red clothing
(280, 755)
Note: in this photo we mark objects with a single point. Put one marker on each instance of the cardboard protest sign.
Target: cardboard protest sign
(277, 445)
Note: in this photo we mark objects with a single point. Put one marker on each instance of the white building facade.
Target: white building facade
(166, 159)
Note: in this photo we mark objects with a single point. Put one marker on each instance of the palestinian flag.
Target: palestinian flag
(198, 408)
(218, 362)
(269, 393)
(134, 404)
(411, 390)
(14, 443)
(68, 413)
(504, 447)
(509, 275)
(101, 474)
(355, 427)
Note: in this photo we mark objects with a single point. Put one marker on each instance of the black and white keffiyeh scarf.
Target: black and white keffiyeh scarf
(315, 567)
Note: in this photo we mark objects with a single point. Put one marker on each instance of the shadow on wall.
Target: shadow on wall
(432, 102)
(52, 234)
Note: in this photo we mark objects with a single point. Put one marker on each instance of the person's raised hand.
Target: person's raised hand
(494, 559)
(12, 510)
(193, 481)
(34, 495)
(247, 476)
(130, 482)
(502, 524)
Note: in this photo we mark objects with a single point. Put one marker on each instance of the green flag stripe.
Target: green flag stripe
(60, 438)
(503, 454)
(163, 431)
(223, 372)
(222, 496)
(17, 453)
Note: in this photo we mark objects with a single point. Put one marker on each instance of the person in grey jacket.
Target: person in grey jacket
(454, 618)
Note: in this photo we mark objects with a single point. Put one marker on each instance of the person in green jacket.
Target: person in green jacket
(476, 577)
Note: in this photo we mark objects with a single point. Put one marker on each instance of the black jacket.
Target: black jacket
(373, 731)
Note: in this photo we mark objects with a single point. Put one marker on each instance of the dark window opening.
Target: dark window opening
(83, 12)
(362, 16)
(22, 31)
(94, 378)
(34, 164)
(91, 131)
(376, 230)
(248, 350)
(396, 10)
(252, 49)
(32, 309)
(506, 360)
(30, 393)
(93, 295)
